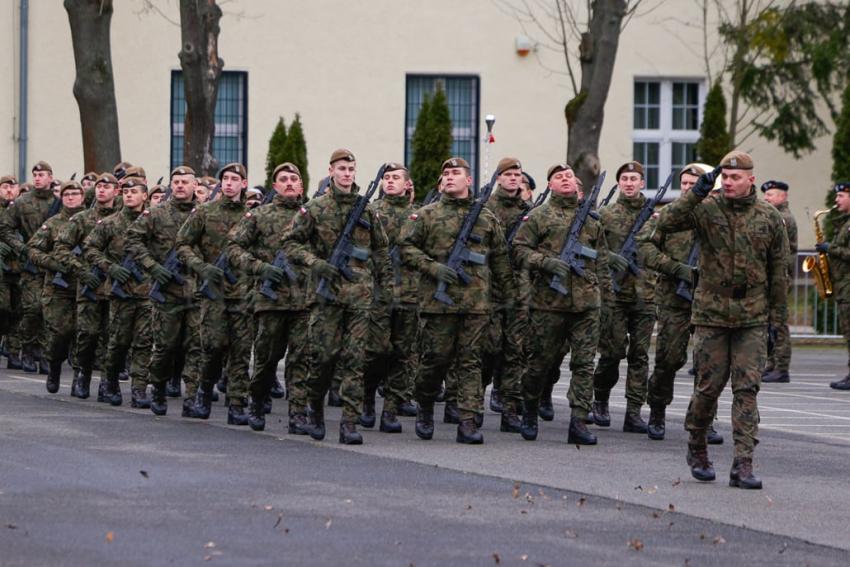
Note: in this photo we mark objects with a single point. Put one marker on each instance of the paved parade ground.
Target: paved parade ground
(83, 483)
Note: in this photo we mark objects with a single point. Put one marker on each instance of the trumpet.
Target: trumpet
(819, 265)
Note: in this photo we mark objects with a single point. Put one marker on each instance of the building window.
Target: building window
(231, 118)
(667, 115)
(462, 94)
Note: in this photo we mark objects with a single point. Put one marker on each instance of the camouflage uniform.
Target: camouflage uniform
(339, 329)
(10, 300)
(627, 320)
(281, 324)
(555, 319)
(839, 269)
(453, 336)
(780, 358)
(742, 286)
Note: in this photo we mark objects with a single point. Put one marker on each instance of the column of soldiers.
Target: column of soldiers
(186, 281)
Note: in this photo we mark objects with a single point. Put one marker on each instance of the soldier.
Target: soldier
(779, 359)
(339, 327)
(57, 296)
(527, 187)
(87, 181)
(839, 268)
(155, 195)
(175, 323)
(21, 220)
(554, 318)
(253, 198)
(628, 319)
(92, 292)
(129, 307)
(741, 290)
(280, 307)
(10, 283)
(202, 192)
(452, 334)
(225, 320)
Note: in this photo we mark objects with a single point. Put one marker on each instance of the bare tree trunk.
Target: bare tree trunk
(585, 112)
(94, 86)
(201, 67)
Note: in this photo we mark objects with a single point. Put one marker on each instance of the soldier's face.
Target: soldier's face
(394, 182)
(631, 183)
(842, 201)
(183, 187)
(87, 184)
(232, 185)
(104, 192)
(456, 182)
(42, 179)
(10, 191)
(510, 181)
(525, 191)
(288, 185)
(687, 182)
(202, 193)
(156, 198)
(737, 183)
(135, 197)
(72, 198)
(775, 196)
(563, 182)
(342, 172)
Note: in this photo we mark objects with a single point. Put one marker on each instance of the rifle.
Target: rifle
(167, 195)
(128, 264)
(685, 290)
(432, 196)
(214, 193)
(629, 248)
(173, 264)
(159, 181)
(59, 277)
(268, 287)
(223, 264)
(460, 253)
(88, 292)
(323, 187)
(518, 221)
(573, 251)
(344, 248)
(55, 207)
(268, 196)
(73, 176)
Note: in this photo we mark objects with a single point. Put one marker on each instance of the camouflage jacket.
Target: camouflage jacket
(542, 235)
(255, 240)
(42, 251)
(509, 210)
(23, 217)
(203, 237)
(11, 263)
(312, 236)
(106, 245)
(72, 236)
(617, 219)
(839, 259)
(791, 229)
(151, 237)
(393, 212)
(743, 279)
(428, 238)
(663, 251)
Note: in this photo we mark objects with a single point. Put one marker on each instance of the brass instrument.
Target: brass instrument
(819, 265)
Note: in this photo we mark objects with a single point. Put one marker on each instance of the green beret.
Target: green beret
(506, 164)
(736, 160)
(342, 153)
(455, 162)
(42, 166)
(182, 170)
(630, 167)
(234, 167)
(286, 166)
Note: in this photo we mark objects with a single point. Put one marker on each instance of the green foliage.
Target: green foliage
(714, 141)
(295, 150)
(432, 142)
(277, 143)
(840, 157)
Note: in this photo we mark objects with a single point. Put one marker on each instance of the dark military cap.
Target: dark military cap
(286, 166)
(135, 171)
(27, 187)
(182, 170)
(234, 167)
(128, 182)
(90, 176)
(555, 169)
(106, 178)
(55, 183)
(455, 162)
(253, 193)
(842, 186)
(736, 160)
(70, 185)
(506, 164)
(530, 180)
(8, 179)
(342, 153)
(768, 185)
(42, 166)
(156, 189)
(394, 166)
(208, 182)
(630, 167)
(692, 169)
(120, 169)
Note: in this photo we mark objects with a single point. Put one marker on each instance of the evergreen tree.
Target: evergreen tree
(714, 141)
(840, 157)
(277, 145)
(295, 150)
(432, 142)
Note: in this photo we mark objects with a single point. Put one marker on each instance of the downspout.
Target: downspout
(22, 92)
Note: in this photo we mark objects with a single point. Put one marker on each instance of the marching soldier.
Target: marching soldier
(452, 334)
(779, 360)
(742, 289)
(10, 283)
(155, 195)
(839, 268)
(339, 327)
(175, 323)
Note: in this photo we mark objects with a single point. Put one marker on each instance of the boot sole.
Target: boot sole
(424, 436)
(573, 441)
(529, 437)
(655, 436)
(738, 484)
(369, 424)
(469, 441)
(704, 478)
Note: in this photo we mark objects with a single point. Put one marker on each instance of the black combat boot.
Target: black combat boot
(468, 433)
(776, 377)
(277, 391)
(123, 376)
(633, 422)
(101, 392)
(317, 420)
(407, 409)
(479, 420)
(389, 422)
(43, 364)
(701, 467)
(53, 377)
(843, 384)
(257, 417)
(348, 434)
(172, 389)
(83, 385)
(188, 407)
(159, 403)
(496, 404)
(214, 394)
(221, 385)
(657, 426)
(299, 424)
(450, 414)
(236, 414)
(425, 423)
(113, 391)
(601, 417)
(139, 398)
(334, 400)
(367, 417)
(741, 475)
(441, 395)
(546, 410)
(510, 422)
(267, 405)
(712, 437)
(14, 362)
(579, 434)
(528, 428)
(203, 402)
(28, 362)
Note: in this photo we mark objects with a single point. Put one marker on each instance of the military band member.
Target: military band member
(839, 268)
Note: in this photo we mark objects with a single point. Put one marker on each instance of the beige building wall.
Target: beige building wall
(342, 66)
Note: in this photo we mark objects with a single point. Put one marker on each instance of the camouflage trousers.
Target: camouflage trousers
(176, 333)
(504, 362)
(721, 354)
(279, 334)
(10, 311)
(60, 322)
(626, 333)
(844, 324)
(226, 334)
(780, 358)
(338, 339)
(671, 353)
(92, 326)
(549, 332)
(129, 333)
(396, 367)
(451, 342)
(31, 328)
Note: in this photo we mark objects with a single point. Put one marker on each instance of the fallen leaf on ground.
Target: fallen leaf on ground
(571, 533)
(496, 559)
(279, 520)
(639, 487)
(109, 537)
(769, 500)
(12, 526)
(635, 544)
(524, 557)
(209, 545)
(328, 524)
(784, 547)
(144, 474)
(656, 514)
(677, 482)
(652, 490)
(719, 540)
(581, 501)
(515, 492)
(671, 508)
(267, 508)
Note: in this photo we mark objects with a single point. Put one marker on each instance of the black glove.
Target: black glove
(271, 273)
(443, 273)
(119, 273)
(822, 247)
(89, 280)
(325, 270)
(212, 274)
(160, 274)
(617, 263)
(556, 267)
(5, 249)
(705, 183)
(684, 272)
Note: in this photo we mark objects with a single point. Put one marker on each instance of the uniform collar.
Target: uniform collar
(342, 197)
(564, 201)
(397, 200)
(287, 202)
(633, 203)
(743, 203)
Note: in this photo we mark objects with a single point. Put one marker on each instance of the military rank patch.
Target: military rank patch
(247, 215)
(44, 227)
(146, 213)
(525, 218)
(302, 210)
(192, 212)
(413, 216)
(99, 221)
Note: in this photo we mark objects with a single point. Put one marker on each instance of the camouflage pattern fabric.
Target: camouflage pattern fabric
(839, 269)
(780, 358)
(92, 329)
(282, 333)
(671, 353)
(130, 333)
(73, 235)
(397, 367)
(617, 220)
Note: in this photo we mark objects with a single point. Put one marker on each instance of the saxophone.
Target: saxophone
(819, 265)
